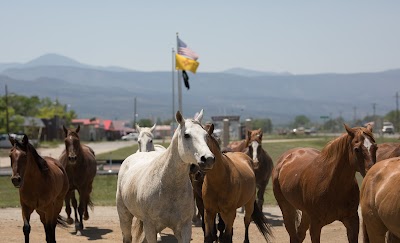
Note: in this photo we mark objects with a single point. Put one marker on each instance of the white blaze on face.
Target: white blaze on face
(367, 144)
(255, 145)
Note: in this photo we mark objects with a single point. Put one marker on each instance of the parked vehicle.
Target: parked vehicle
(388, 128)
(130, 136)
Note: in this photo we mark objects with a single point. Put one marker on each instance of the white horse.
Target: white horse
(145, 139)
(145, 144)
(155, 187)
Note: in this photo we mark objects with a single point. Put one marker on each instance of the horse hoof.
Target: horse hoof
(70, 221)
(86, 217)
(78, 233)
(159, 237)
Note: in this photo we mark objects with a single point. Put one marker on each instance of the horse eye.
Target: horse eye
(187, 135)
(150, 141)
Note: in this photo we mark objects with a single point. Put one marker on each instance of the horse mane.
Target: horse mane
(41, 163)
(338, 146)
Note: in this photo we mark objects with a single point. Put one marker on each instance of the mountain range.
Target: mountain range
(109, 92)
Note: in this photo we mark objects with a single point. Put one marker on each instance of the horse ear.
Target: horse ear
(248, 134)
(210, 129)
(153, 127)
(199, 116)
(179, 118)
(12, 140)
(65, 130)
(349, 130)
(137, 127)
(79, 127)
(25, 140)
(369, 127)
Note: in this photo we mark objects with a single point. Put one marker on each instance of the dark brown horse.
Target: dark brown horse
(229, 184)
(322, 185)
(80, 163)
(262, 163)
(387, 150)
(42, 184)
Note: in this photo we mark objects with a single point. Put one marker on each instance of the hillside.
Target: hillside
(109, 92)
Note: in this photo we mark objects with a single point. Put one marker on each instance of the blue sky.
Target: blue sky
(295, 36)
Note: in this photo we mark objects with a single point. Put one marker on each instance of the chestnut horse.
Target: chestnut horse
(262, 163)
(229, 184)
(322, 185)
(80, 163)
(42, 184)
(380, 202)
(387, 150)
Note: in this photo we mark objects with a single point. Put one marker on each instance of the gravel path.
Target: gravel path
(103, 226)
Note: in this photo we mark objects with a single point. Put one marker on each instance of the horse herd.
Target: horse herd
(158, 187)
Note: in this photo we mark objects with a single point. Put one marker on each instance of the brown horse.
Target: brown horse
(80, 163)
(387, 150)
(380, 202)
(237, 146)
(42, 184)
(262, 163)
(322, 185)
(229, 184)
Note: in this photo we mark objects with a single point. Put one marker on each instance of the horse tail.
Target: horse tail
(365, 233)
(61, 221)
(90, 203)
(138, 231)
(261, 222)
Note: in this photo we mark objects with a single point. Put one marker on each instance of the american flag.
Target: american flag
(185, 51)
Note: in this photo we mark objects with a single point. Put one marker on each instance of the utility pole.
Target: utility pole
(373, 109)
(134, 113)
(397, 110)
(7, 119)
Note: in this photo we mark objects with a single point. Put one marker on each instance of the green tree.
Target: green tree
(145, 123)
(264, 124)
(301, 121)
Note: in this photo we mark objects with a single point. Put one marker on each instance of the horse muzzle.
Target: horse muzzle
(206, 163)
(72, 159)
(16, 181)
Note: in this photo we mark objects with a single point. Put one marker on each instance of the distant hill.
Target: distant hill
(109, 92)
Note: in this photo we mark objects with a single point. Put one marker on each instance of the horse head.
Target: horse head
(19, 158)
(254, 139)
(72, 144)
(192, 142)
(363, 146)
(145, 138)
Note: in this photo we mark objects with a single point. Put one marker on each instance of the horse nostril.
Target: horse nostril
(16, 180)
(210, 160)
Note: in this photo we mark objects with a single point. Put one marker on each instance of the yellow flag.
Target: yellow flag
(184, 63)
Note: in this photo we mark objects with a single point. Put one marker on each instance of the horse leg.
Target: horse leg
(374, 229)
(303, 227)
(49, 226)
(315, 232)
(184, 234)
(68, 207)
(75, 206)
(150, 232)
(221, 225)
(83, 201)
(88, 202)
(125, 221)
(260, 194)
(352, 225)
(209, 221)
(26, 216)
(228, 218)
(247, 220)
(289, 213)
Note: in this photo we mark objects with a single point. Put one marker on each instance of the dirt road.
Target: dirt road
(103, 226)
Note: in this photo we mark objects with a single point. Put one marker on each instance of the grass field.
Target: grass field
(104, 186)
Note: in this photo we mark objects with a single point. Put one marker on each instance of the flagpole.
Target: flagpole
(173, 87)
(179, 80)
